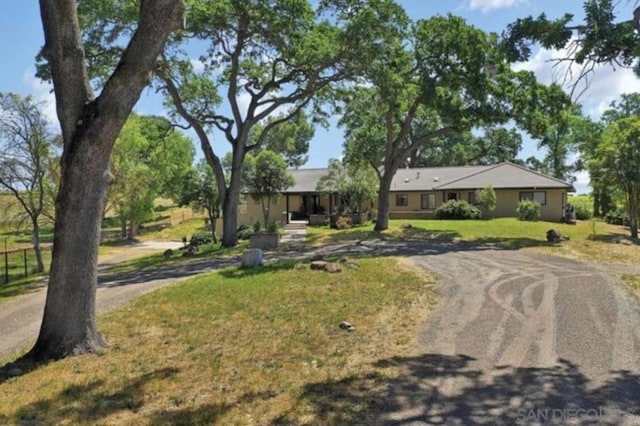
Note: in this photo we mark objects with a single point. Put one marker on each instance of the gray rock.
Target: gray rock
(252, 258)
(344, 325)
(318, 265)
(332, 268)
(349, 262)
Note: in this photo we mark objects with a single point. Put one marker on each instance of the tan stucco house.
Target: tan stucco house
(416, 193)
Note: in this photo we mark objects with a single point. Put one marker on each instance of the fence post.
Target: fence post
(6, 262)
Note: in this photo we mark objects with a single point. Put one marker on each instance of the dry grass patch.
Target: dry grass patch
(233, 347)
(633, 282)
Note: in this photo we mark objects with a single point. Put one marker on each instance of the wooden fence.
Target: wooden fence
(19, 263)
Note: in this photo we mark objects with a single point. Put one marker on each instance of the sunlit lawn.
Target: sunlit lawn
(233, 347)
(588, 240)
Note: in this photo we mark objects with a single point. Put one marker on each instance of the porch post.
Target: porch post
(287, 220)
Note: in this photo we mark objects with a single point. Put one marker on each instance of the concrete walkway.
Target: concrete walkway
(294, 233)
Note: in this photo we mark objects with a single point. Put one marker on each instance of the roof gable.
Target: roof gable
(505, 175)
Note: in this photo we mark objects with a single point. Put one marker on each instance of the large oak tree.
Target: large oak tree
(89, 126)
(265, 60)
(432, 79)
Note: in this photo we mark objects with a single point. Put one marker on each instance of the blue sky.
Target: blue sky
(21, 37)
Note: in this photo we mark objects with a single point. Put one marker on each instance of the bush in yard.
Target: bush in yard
(344, 222)
(244, 231)
(618, 216)
(487, 198)
(458, 209)
(271, 226)
(528, 210)
(200, 239)
(582, 211)
(582, 206)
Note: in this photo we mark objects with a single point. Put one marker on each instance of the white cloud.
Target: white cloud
(604, 85)
(198, 66)
(42, 92)
(582, 183)
(489, 5)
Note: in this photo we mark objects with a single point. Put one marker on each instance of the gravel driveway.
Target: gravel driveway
(527, 336)
(517, 338)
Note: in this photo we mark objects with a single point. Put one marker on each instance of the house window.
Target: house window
(539, 196)
(402, 200)
(428, 201)
(452, 196)
(472, 198)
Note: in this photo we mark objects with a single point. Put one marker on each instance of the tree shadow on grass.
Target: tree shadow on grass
(267, 268)
(91, 402)
(615, 238)
(442, 389)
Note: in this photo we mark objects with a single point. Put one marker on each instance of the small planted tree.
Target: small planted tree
(201, 193)
(487, 199)
(266, 179)
(353, 185)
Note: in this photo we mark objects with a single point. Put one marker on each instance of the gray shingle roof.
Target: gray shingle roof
(305, 180)
(506, 175)
(503, 175)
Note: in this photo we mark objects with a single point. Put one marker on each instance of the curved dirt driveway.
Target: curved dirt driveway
(20, 318)
(520, 337)
(517, 338)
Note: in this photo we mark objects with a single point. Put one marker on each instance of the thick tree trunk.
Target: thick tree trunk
(213, 220)
(89, 129)
(133, 230)
(232, 198)
(633, 201)
(230, 217)
(123, 226)
(68, 325)
(382, 221)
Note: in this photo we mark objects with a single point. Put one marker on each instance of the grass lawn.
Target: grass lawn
(235, 347)
(633, 282)
(588, 240)
(158, 259)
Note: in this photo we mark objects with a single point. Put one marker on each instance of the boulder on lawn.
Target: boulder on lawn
(252, 258)
(318, 265)
(332, 268)
(553, 236)
(321, 265)
(349, 262)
